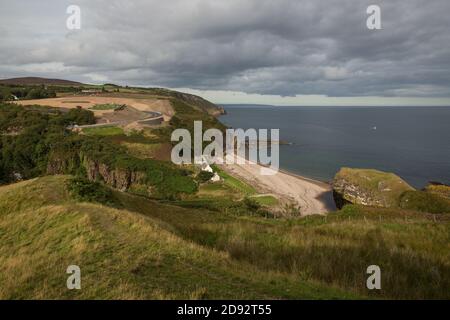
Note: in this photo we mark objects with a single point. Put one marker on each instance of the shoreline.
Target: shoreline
(312, 180)
(312, 196)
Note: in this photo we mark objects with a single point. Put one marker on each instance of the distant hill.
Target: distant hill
(198, 102)
(39, 81)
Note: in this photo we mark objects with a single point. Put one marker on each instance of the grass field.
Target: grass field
(122, 254)
(411, 248)
(235, 183)
(268, 201)
(105, 106)
(217, 189)
(152, 250)
(148, 150)
(103, 131)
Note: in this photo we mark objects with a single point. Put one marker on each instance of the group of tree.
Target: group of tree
(26, 92)
(36, 141)
(27, 135)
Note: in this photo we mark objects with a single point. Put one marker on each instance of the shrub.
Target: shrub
(204, 176)
(79, 116)
(84, 190)
(439, 189)
(291, 210)
(251, 204)
(424, 202)
(40, 93)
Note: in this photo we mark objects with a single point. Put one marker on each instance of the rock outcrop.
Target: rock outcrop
(368, 187)
(120, 179)
(439, 188)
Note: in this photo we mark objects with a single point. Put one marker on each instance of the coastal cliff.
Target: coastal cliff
(368, 187)
(118, 178)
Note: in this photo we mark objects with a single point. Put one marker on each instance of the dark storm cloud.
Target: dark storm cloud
(283, 47)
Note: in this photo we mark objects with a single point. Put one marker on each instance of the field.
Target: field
(235, 183)
(123, 254)
(266, 200)
(160, 151)
(103, 131)
(152, 250)
(105, 106)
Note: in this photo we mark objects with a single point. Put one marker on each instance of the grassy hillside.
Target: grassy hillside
(411, 248)
(122, 254)
(145, 249)
(425, 202)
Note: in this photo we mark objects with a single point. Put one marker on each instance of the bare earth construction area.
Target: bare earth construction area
(88, 102)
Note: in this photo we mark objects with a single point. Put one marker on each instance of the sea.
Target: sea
(412, 142)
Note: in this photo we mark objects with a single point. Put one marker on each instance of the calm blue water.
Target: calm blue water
(413, 142)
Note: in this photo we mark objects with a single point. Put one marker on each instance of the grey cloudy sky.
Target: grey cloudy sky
(278, 52)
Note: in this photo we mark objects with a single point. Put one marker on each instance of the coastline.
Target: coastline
(315, 181)
(312, 196)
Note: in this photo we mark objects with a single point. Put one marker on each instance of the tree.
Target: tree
(79, 116)
(204, 176)
(5, 94)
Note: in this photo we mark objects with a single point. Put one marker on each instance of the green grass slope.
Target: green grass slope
(412, 248)
(145, 249)
(123, 254)
(425, 202)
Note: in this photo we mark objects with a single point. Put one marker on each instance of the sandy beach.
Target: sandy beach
(314, 197)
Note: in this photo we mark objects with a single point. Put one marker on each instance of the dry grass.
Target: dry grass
(122, 254)
(158, 151)
(412, 249)
(161, 251)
